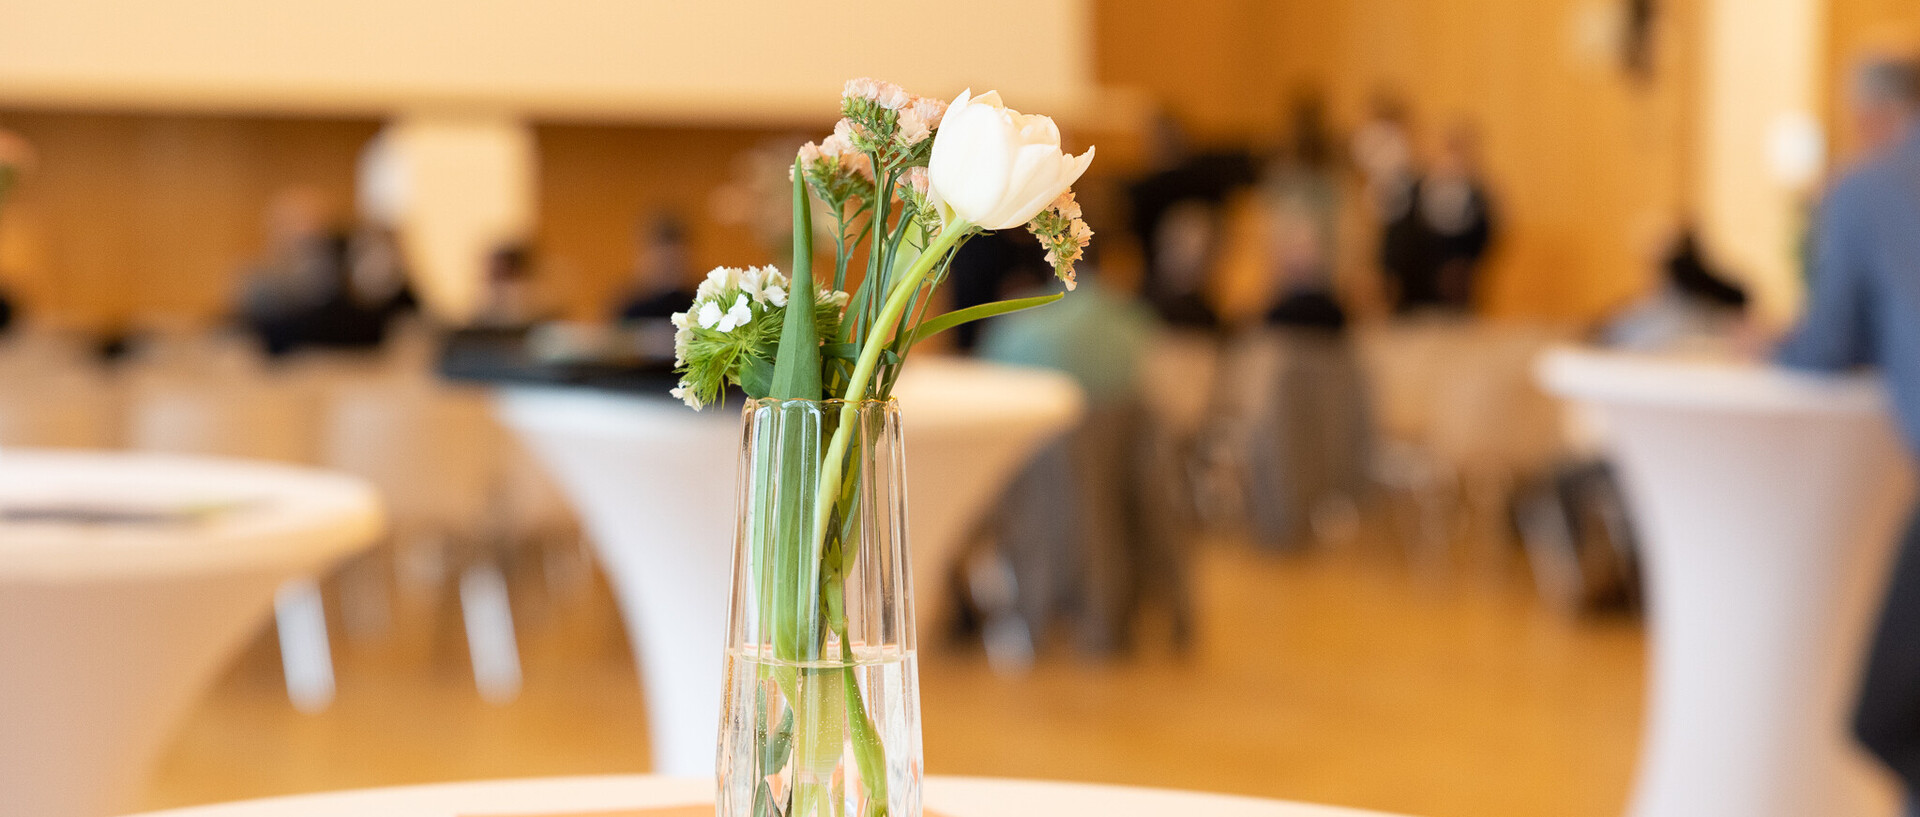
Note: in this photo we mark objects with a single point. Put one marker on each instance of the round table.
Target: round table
(653, 482)
(1766, 503)
(126, 582)
(951, 796)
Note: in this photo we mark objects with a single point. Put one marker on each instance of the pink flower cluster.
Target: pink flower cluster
(917, 116)
(885, 94)
(1064, 235)
(838, 149)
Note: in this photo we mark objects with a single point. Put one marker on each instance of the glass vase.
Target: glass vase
(822, 710)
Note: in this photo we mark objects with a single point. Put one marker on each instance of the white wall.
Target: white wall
(1764, 65)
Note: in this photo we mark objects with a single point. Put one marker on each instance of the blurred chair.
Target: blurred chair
(48, 408)
(1492, 426)
(1306, 437)
(1460, 423)
(1179, 381)
(255, 418)
(226, 406)
(437, 456)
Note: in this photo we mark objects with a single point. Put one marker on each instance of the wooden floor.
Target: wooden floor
(1343, 679)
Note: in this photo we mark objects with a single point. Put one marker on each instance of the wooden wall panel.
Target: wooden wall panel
(144, 218)
(137, 213)
(1589, 166)
(1856, 28)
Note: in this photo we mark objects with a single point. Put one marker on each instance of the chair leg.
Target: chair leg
(305, 654)
(490, 641)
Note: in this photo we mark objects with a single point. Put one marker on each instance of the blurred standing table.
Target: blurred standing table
(654, 482)
(584, 796)
(1767, 504)
(126, 583)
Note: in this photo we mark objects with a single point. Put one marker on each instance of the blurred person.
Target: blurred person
(1303, 202)
(1693, 302)
(377, 276)
(514, 299)
(1306, 444)
(299, 271)
(1864, 310)
(320, 287)
(1102, 563)
(661, 267)
(1457, 212)
(1437, 227)
(1175, 211)
(1382, 152)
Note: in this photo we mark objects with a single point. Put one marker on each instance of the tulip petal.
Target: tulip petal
(1035, 175)
(1038, 129)
(970, 161)
(1059, 176)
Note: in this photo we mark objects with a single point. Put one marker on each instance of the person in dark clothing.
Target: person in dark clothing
(1175, 210)
(1302, 197)
(1693, 302)
(1864, 310)
(324, 291)
(1432, 250)
(660, 271)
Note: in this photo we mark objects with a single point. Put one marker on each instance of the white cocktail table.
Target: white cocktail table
(1767, 504)
(952, 796)
(654, 483)
(111, 628)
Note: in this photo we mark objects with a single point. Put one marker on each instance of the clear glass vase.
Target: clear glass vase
(822, 709)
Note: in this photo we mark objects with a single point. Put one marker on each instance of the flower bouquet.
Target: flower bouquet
(822, 713)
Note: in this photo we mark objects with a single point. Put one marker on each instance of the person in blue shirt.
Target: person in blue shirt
(1863, 309)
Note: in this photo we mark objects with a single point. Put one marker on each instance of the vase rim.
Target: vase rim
(761, 402)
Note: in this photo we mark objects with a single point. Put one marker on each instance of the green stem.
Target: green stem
(897, 300)
(869, 754)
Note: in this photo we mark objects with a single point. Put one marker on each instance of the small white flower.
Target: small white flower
(678, 319)
(686, 395)
(752, 281)
(777, 296)
(737, 315)
(719, 281)
(709, 315)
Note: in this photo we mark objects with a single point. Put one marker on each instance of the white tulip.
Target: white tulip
(996, 168)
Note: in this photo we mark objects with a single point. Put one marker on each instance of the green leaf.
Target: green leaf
(756, 376)
(774, 752)
(796, 369)
(849, 351)
(934, 326)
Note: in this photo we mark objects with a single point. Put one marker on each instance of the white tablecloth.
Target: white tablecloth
(952, 796)
(654, 482)
(1766, 502)
(109, 631)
